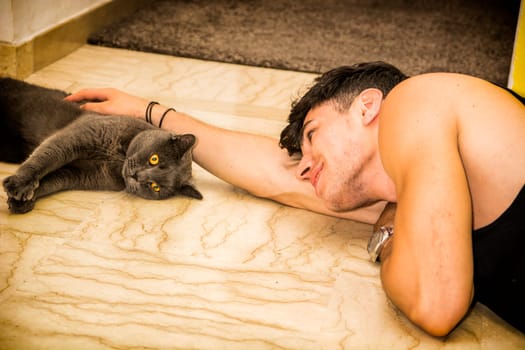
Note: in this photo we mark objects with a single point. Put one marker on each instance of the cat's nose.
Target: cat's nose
(139, 176)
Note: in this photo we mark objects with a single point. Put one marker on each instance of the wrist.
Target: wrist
(137, 107)
(387, 216)
(156, 114)
(148, 114)
(378, 241)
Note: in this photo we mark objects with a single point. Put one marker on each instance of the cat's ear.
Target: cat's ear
(185, 142)
(190, 191)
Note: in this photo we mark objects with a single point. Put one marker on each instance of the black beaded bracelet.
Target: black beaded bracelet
(148, 111)
(164, 115)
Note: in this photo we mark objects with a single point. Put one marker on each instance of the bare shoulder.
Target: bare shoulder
(445, 88)
(445, 114)
(419, 111)
(442, 78)
(418, 95)
(435, 99)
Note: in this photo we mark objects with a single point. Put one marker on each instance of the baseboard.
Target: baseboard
(22, 60)
(16, 61)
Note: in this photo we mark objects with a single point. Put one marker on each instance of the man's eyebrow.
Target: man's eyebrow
(302, 131)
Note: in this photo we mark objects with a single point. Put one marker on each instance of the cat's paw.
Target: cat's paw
(20, 188)
(20, 207)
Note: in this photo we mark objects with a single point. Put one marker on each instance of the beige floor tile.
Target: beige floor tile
(102, 270)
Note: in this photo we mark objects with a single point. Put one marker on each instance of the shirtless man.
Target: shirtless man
(449, 149)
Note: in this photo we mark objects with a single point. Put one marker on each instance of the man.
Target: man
(449, 149)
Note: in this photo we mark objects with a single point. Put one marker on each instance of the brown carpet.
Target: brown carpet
(466, 36)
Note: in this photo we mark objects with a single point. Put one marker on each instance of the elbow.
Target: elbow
(435, 326)
(436, 307)
(439, 320)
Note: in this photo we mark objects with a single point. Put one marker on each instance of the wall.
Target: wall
(35, 33)
(22, 20)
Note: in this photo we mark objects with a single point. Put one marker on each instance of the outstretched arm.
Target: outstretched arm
(252, 162)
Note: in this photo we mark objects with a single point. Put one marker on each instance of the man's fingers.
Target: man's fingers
(97, 107)
(89, 95)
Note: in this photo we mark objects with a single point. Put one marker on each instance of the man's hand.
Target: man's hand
(110, 101)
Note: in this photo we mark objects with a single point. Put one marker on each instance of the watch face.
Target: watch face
(374, 241)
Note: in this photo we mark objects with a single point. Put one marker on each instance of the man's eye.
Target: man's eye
(309, 135)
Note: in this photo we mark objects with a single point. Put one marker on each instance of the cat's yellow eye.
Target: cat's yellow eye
(155, 187)
(154, 159)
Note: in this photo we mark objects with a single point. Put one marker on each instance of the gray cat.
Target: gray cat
(63, 147)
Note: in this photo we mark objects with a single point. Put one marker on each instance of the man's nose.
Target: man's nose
(303, 168)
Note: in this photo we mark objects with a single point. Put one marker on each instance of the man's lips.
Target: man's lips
(314, 176)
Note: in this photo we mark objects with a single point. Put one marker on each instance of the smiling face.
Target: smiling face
(334, 126)
(335, 155)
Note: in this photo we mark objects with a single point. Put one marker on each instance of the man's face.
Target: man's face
(334, 154)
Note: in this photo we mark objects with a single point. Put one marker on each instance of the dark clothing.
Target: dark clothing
(499, 264)
(518, 96)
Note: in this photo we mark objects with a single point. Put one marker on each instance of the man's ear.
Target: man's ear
(370, 101)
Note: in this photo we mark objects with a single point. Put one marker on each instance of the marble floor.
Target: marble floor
(105, 270)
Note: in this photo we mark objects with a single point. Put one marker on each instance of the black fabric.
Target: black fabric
(518, 96)
(499, 264)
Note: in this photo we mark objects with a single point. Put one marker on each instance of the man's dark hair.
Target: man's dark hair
(340, 85)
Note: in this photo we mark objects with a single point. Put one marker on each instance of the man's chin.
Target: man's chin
(337, 207)
(341, 207)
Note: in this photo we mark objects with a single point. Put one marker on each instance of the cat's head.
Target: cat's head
(158, 165)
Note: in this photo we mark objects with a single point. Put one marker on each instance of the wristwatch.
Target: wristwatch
(377, 242)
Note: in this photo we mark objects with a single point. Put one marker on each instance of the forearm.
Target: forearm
(409, 281)
(254, 163)
(434, 300)
(245, 160)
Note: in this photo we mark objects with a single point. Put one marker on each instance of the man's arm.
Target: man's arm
(427, 268)
(252, 162)
(257, 164)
